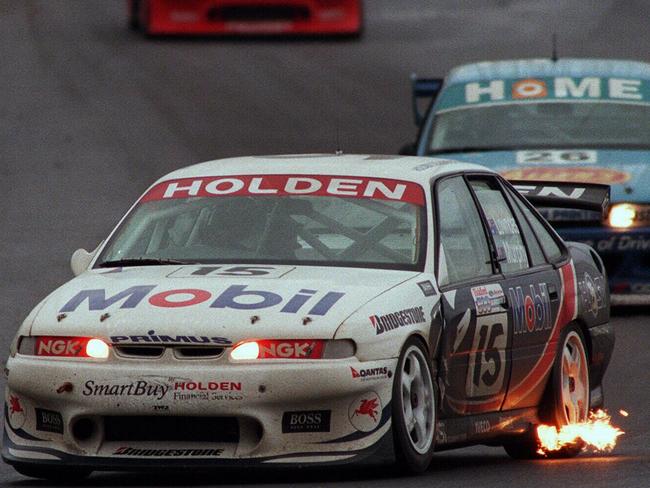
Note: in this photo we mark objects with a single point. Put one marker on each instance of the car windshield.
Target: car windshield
(541, 125)
(369, 223)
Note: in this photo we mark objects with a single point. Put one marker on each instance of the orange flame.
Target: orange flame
(597, 433)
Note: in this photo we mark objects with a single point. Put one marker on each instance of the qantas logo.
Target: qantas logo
(371, 373)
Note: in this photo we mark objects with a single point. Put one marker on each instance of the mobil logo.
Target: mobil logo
(531, 308)
(238, 297)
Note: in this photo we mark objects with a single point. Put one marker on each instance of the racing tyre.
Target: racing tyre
(61, 474)
(567, 398)
(414, 408)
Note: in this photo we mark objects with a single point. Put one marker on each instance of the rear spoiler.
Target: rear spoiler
(554, 194)
(423, 88)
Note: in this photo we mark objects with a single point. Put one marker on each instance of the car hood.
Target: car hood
(626, 171)
(194, 301)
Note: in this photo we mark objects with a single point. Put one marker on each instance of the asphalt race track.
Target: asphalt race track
(91, 113)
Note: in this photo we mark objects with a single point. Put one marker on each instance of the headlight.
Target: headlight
(59, 346)
(626, 215)
(291, 349)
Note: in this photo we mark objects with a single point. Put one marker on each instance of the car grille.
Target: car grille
(258, 13)
(180, 352)
(171, 429)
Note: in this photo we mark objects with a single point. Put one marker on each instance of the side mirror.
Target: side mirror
(81, 259)
(409, 149)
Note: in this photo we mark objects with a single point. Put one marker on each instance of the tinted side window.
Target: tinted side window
(534, 249)
(503, 227)
(463, 248)
(551, 248)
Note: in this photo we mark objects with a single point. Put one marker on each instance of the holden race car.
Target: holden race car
(246, 17)
(314, 309)
(566, 120)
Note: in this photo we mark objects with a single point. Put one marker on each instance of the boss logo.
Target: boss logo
(306, 421)
(49, 421)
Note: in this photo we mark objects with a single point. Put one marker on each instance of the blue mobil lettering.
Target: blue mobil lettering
(531, 311)
(237, 297)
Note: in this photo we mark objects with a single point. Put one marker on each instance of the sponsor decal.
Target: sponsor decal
(620, 243)
(395, 320)
(178, 389)
(482, 426)
(184, 390)
(16, 412)
(290, 349)
(49, 421)
(238, 297)
(488, 299)
(365, 412)
(557, 88)
(131, 451)
(603, 176)
(60, 346)
(216, 271)
(306, 421)
(531, 310)
(592, 293)
(138, 388)
(152, 337)
(577, 156)
(283, 185)
(427, 288)
(371, 373)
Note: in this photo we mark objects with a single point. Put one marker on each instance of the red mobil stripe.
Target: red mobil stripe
(567, 312)
(283, 185)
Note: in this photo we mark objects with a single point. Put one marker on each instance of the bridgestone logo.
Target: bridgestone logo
(390, 321)
(130, 451)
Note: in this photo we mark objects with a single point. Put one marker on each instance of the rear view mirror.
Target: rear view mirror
(80, 260)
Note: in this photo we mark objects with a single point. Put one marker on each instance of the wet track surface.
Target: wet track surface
(91, 113)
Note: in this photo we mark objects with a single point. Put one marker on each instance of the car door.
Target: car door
(474, 361)
(535, 297)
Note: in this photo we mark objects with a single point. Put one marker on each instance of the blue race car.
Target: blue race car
(566, 120)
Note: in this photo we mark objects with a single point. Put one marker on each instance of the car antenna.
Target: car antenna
(554, 56)
(338, 151)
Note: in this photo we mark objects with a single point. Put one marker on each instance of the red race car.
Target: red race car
(246, 17)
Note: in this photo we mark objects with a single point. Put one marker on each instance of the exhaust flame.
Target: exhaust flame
(597, 433)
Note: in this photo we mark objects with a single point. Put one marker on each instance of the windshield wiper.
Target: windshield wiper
(140, 262)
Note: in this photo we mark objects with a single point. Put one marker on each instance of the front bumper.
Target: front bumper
(626, 255)
(266, 408)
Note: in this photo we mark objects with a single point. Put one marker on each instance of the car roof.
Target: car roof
(531, 68)
(408, 168)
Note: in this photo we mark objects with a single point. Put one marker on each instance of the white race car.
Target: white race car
(309, 310)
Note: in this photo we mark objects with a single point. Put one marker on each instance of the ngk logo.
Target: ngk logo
(290, 349)
(51, 346)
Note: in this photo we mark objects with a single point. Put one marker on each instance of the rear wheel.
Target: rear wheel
(567, 398)
(61, 474)
(414, 408)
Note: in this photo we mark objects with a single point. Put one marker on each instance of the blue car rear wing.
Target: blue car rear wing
(423, 88)
(553, 194)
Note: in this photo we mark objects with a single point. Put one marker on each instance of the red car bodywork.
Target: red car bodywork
(246, 17)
